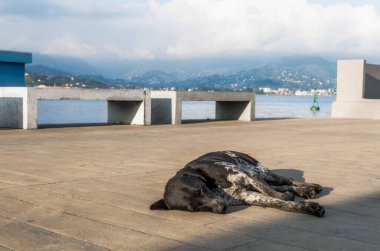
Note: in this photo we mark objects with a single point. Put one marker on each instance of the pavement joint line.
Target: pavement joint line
(126, 209)
(7, 182)
(84, 181)
(142, 212)
(57, 233)
(2, 246)
(349, 212)
(194, 224)
(242, 245)
(192, 245)
(302, 229)
(55, 182)
(24, 174)
(166, 218)
(114, 206)
(206, 225)
(256, 237)
(260, 237)
(81, 198)
(91, 219)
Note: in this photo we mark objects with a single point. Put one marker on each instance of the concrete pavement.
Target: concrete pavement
(90, 188)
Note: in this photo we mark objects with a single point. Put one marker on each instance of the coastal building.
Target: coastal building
(12, 68)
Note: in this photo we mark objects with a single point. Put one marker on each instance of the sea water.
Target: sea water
(94, 111)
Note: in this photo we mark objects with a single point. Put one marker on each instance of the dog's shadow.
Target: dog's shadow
(290, 173)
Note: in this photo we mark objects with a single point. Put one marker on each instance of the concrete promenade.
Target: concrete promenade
(89, 188)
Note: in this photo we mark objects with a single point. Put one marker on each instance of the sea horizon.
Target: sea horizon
(267, 106)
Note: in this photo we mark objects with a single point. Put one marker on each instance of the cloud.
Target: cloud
(189, 28)
(70, 46)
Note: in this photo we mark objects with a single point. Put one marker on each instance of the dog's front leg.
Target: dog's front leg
(259, 199)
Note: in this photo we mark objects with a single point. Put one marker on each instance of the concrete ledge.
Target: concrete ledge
(124, 106)
(167, 105)
(18, 105)
(365, 109)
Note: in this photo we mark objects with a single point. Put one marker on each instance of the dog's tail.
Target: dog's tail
(159, 205)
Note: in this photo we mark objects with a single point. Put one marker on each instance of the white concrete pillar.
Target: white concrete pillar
(30, 109)
(177, 108)
(350, 80)
(166, 107)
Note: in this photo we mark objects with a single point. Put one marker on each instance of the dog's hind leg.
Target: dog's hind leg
(259, 199)
(258, 184)
(302, 189)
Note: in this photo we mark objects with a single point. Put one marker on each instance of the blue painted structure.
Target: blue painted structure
(12, 68)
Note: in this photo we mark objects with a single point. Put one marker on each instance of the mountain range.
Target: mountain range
(293, 72)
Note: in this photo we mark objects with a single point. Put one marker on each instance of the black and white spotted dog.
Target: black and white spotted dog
(218, 179)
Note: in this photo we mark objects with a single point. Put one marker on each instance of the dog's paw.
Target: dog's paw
(314, 208)
(308, 191)
(317, 188)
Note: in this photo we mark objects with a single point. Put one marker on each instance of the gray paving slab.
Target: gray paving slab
(82, 228)
(91, 187)
(23, 236)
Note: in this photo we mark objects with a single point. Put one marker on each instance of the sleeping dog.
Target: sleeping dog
(216, 180)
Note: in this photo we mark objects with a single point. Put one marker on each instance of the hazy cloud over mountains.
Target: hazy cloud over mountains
(183, 29)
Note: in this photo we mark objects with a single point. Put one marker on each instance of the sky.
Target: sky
(191, 29)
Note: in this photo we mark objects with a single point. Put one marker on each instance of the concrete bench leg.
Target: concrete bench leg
(11, 113)
(19, 111)
(235, 110)
(161, 111)
(30, 111)
(126, 112)
(166, 111)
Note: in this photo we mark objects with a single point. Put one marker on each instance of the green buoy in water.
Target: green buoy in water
(315, 107)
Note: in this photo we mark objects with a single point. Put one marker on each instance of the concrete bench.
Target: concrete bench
(18, 105)
(167, 105)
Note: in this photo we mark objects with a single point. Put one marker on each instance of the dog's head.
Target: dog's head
(189, 192)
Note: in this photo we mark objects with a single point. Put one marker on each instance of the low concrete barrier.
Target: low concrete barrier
(167, 105)
(18, 105)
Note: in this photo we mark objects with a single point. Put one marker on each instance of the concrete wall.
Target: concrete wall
(124, 106)
(358, 90)
(350, 79)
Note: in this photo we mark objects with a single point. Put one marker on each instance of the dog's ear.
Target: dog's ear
(159, 205)
(195, 175)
